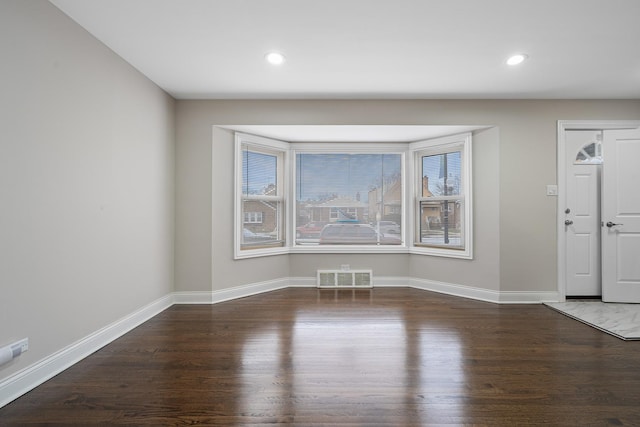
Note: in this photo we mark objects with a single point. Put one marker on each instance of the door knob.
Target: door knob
(568, 222)
(612, 224)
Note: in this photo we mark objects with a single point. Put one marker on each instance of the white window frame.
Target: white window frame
(411, 184)
(334, 212)
(349, 148)
(417, 150)
(272, 147)
(253, 217)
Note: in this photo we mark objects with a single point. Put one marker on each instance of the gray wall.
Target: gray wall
(514, 225)
(87, 181)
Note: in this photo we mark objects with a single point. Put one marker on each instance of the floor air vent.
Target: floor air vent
(345, 279)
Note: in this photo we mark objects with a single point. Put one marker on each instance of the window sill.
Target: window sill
(350, 249)
(441, 252)
(256, 253)
(365, 249)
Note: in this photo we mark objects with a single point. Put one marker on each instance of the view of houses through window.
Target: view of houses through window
(348, 199)
(262, 201)
(441, 200)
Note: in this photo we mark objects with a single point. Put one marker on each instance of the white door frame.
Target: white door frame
(561, 235)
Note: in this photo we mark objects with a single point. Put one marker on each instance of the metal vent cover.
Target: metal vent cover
(345, 279)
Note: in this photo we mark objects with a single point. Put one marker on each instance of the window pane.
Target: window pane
(259, 172)
(260, 200)
(441, 223)
(262, 223)
(443, 199)
(441, 174)
(340, 188)
(252, 217)
(338, 233)
(590, 154)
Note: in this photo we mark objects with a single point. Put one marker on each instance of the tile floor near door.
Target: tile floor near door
(620, 320)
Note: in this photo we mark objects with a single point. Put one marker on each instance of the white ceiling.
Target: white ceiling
(374, 49)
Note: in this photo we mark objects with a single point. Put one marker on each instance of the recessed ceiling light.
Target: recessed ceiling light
(516, 59)
(274, 58)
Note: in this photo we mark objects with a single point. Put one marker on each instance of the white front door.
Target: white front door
(621, 216)
(582, 213)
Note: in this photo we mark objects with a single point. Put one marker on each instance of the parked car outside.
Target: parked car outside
(249, 237)
(355, 234)
(310, 230)
(388, 227)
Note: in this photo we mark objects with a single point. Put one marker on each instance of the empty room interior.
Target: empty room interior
(319, 212)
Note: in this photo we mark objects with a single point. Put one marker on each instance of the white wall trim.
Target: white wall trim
(195, 297)
(302, 282)
(391, 282)
(249, 290)
(32, 376)
(456, 290)
(519, 297)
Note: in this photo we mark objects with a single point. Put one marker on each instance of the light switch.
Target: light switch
(552, 190)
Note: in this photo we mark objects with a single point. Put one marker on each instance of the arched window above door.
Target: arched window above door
(590, 153)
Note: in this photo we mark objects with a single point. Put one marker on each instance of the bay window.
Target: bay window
(353, 197)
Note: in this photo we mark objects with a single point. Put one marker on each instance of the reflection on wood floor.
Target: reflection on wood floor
(386, 357)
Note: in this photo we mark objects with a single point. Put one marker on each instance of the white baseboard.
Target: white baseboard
(498, 297)
(455, 290)
(480, 294)
(27, 379)
(303, 282)
(391, 282)
(249, 290)
(32, 376)
(194, 297)
(214, 297)
(518, 297)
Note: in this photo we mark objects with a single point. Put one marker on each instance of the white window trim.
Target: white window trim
(254, 217)
(337, 214)
(349, 148)
(269, 146)
(437, 145)
(408, 152)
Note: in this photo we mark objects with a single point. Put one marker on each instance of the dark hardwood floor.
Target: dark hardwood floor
(385, 357)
